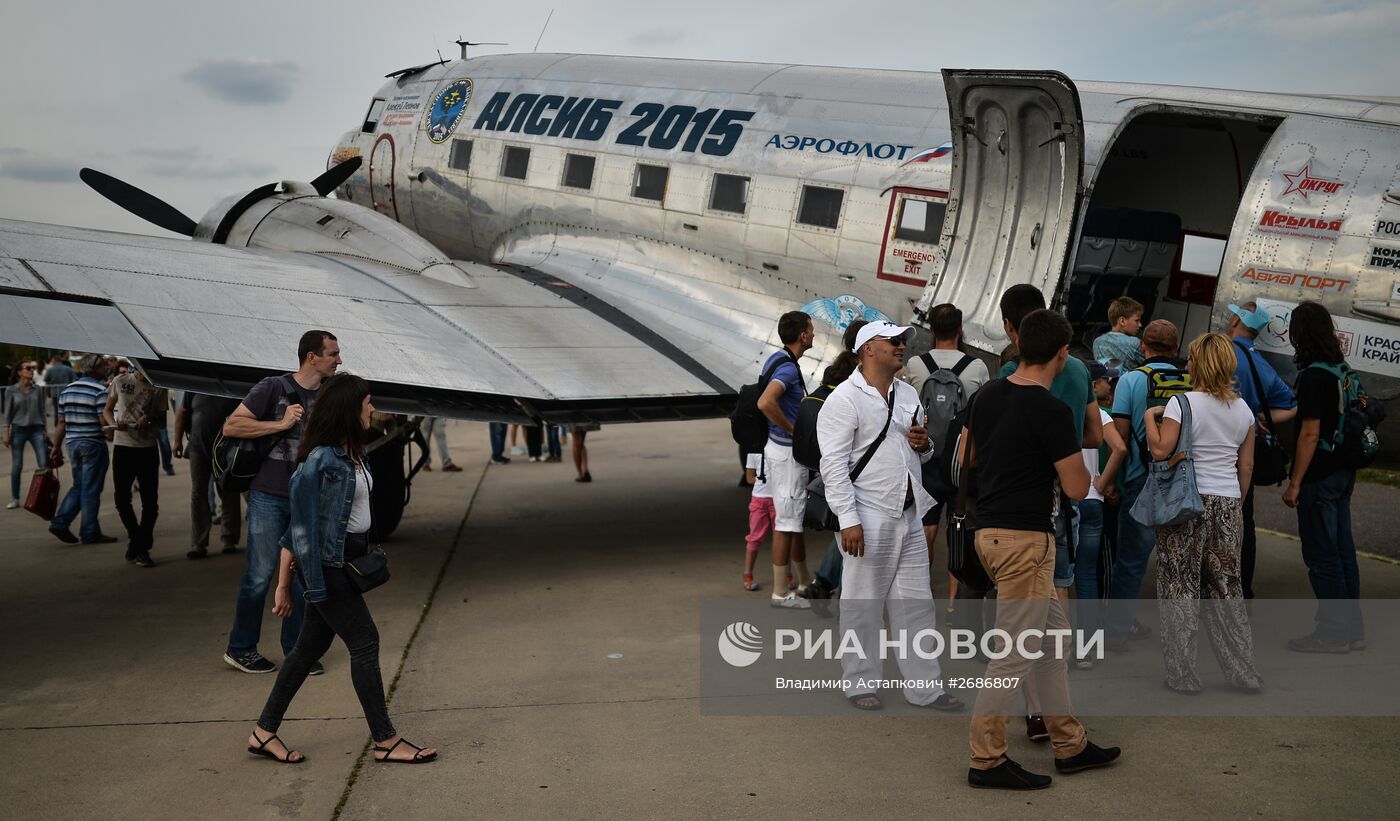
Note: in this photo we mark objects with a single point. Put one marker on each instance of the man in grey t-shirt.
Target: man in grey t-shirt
(273, 411)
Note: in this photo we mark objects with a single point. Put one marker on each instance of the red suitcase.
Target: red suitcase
(42, 500)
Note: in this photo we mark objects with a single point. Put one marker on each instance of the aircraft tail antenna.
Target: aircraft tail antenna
(462, 44)
(542, 29)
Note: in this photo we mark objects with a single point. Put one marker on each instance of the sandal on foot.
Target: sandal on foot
(749, 583)
(262, 750)
(866, 701)
(947, 702)
(418, 757)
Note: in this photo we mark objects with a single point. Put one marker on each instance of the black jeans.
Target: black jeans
(343, 614)
(534, 441)
(141, 465)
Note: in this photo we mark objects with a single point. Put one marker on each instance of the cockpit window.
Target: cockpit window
(376, 109)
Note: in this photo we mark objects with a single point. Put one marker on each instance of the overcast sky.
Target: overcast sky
(195, 102)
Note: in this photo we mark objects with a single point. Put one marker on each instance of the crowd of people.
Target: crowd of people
(1055, 453)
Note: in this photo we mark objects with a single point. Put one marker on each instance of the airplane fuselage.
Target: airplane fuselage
(709, 197)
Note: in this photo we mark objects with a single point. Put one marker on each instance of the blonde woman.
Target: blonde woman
(1201, 558)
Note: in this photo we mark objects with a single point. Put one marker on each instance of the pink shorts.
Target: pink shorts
(761, 516)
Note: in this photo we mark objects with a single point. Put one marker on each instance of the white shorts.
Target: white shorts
(787, 481)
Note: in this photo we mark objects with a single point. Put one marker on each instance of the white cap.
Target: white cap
(888, 330)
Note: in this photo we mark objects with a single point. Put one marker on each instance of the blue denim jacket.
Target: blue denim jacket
(321, 493)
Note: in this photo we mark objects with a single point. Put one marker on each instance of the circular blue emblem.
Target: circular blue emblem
(448, 109)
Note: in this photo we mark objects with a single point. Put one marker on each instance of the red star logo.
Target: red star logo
(1301, 183)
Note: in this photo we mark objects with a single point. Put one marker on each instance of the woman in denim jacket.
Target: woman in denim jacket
(330, 525)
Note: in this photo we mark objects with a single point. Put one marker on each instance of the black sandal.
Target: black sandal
(872, 701)
(262, 750)
(947, 702)
(418, 757)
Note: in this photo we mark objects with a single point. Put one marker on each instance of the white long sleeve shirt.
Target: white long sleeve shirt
(850, 419)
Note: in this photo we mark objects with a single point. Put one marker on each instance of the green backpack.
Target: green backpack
(1359, 416)
(1162, 385)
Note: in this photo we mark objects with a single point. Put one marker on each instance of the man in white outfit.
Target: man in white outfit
(880, 514)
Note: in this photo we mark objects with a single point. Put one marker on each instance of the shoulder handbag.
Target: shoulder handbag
(368, 571)
(963, 561)
(1170, 496)
(1270, 457)
(372, 569)
(818, 514)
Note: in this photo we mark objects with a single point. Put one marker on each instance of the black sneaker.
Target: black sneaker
(64, 535)
(250, 662)
(103, 539)
(317, 669)
(197, 553)
(817, 588)
(143, 559)
(229, 549)
(1090, 757)
(1139, 631)
(500, 460)
(1008, 775)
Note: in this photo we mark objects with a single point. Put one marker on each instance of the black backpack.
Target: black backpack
(747, 424)
(805, 448)
(236, 462)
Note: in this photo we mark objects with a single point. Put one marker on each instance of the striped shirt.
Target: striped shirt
(81, 405)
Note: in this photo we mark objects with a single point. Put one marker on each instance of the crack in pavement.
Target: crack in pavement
(412, 638)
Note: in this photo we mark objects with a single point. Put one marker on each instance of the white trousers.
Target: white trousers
(435, 430)
(893, 575)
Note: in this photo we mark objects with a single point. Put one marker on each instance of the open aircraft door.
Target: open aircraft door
(1018, 157)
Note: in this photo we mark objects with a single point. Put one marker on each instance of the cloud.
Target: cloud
(203, 167)
(185, 152)
(245, 81)
(658, 37)
(37, 169)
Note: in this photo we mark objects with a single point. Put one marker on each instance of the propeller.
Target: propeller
(335, 176)
(147, 206)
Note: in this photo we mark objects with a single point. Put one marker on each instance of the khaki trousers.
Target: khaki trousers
(1022, 565)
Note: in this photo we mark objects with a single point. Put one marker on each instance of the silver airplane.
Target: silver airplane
(590, 238)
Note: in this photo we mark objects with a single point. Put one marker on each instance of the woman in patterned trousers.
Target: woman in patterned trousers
(1200, 559)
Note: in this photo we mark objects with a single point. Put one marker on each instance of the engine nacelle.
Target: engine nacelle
(296, 218)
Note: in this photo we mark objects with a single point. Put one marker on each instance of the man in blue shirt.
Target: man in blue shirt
(80, 423)
(1246, 321)
(1160, 343)
(786, 477)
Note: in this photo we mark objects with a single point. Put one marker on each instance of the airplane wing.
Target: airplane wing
(216, 319)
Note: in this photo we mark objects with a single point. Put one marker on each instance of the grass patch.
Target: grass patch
(1377, 476)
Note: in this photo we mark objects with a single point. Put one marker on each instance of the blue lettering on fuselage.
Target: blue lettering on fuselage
(711, 131)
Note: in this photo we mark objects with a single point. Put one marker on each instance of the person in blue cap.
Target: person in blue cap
(1277, 402)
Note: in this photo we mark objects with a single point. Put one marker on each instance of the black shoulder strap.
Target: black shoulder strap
(964, 475)
(768, 374)
(870, 451)
(962, 364)
(1258, 383)
(927, 358)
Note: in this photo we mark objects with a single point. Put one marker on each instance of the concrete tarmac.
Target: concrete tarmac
(543, 634)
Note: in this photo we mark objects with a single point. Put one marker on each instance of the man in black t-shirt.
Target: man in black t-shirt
(273, 410)
(1023, 446)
